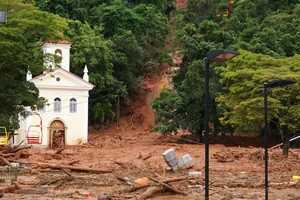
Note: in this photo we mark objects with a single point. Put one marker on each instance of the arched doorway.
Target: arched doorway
(57, 134)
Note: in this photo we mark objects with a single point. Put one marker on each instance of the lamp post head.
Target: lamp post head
(2, 16)
(221, 55)
(278, 83)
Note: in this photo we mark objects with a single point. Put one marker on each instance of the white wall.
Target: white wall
(65, 49)
(76, 124)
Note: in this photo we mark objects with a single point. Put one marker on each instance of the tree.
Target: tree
(166, 6)
(256, 26)
(82, 10)
(129, 60)
(137, 30)
(243, 80)
(20, 40)
(120, 41)
(192, 92)
(92, 49)
(146, 27)
(183, 106)
(167, 118)
(264, 27)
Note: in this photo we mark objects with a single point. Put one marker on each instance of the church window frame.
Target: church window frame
(73, 105)
(57, 107)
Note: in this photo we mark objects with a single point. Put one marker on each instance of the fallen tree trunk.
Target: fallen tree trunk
(135, 188)
(174, 190)
(71, 167)
(5, 161)
(9, 150)
(126, 181)
(169, 180)
(9, 189)
(158, 188)
(67, 172)
(278, 145)
(131, 120)
(59, 151)
(7, 155)
(76, 168)
(73, 162)
(150, 192)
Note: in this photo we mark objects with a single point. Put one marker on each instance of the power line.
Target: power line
(101, 97)
(69, 105)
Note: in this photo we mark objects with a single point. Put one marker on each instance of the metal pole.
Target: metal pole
(118, 110)
(266, 139)
(206, 126)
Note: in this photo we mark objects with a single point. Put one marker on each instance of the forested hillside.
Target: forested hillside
(121, 41)
(265, 32)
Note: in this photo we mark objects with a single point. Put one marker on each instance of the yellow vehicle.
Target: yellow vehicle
(4, 135)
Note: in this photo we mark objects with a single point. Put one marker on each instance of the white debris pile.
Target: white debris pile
(184, 162)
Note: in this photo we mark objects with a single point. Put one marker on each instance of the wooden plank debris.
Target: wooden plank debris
(71, 167)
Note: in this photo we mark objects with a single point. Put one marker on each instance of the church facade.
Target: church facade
(64, 118)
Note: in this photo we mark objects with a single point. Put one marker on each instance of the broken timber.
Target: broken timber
(158, 186)
(71, 167)
(174, 190)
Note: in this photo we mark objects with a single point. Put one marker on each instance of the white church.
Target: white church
(64, 118)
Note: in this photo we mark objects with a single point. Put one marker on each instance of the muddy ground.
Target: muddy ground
(235, 172)
(130, 151)
(125, 152)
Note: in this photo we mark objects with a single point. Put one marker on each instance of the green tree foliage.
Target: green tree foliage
(129, 61)
(20, 41)
(120, 41)
(266, 27)
(191, 90)
(184, 108)
(90, 47)
(145, 21)
(258, 26)
(243, 81)
(167, 107)
(147, 26)
(166, 6)
(199, 10)
(82, 10)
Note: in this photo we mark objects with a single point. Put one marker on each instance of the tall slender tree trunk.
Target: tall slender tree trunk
(199, 133)
(285, 142)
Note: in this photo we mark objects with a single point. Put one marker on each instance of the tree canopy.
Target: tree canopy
(243, 80)
(21, 38)
(268, 30)
(122, 41)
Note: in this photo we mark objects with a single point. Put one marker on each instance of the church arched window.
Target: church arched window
(73, 105)
(58, 52)
(57, 57)
(57, 105)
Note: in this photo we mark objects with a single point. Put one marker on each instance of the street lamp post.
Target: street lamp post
(211, 56)
(279, 83)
